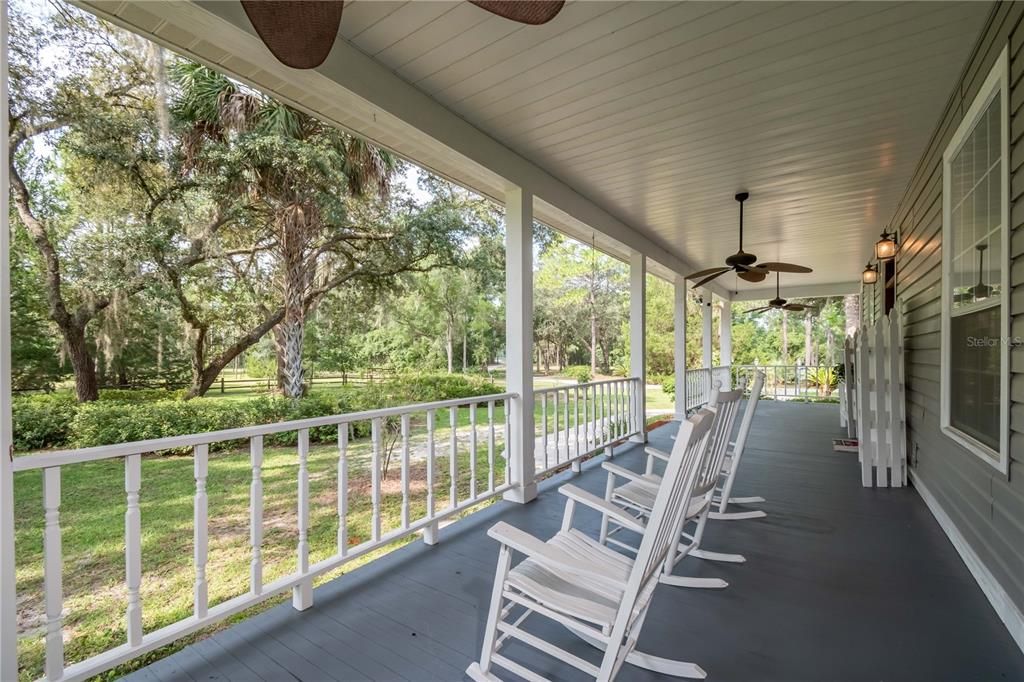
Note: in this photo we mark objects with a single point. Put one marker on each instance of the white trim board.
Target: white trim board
(1004, 607)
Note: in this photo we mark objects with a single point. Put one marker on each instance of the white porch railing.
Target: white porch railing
(791, 382)
(579, 420)
(390, 432)
(699, 382)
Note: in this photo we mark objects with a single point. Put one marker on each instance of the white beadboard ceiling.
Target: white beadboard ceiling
(658, 112)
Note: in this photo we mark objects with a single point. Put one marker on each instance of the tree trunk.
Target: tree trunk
(293, 327)
(829, 347)
(593, 343)
(159, 353)
(203, 375)
(277, 341)
(83, 365)
(808, 348)
(851, 308)
(449, 346)
(785, 340)
(465, 351)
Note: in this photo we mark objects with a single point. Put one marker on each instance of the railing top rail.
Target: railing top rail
(562, 387)
(44, 460)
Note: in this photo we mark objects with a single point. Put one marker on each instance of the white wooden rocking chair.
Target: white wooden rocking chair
(732, 463)
(637, 496)
(595, 592)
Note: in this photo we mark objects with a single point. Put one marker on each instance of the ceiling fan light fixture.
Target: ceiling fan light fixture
(870, 274)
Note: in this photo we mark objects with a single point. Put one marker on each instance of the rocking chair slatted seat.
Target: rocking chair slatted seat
(595, 592)
(639, 491)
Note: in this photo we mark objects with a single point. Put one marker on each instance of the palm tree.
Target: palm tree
(297, 174)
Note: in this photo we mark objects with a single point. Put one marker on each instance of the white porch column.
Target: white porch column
(679, 333)
(637, 338)
(519, 341)
(8, 608)
(725, 338)
(706, 298)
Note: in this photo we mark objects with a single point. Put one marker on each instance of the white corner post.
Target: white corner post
(725, 340)
(706, 300)
(679, 354)
(8, 608)
(519, 342)
(638, 340)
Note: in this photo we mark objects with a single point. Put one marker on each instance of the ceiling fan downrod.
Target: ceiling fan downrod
(741, 258)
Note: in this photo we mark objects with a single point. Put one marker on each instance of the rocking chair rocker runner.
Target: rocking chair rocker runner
(592, 590)
(638, 493)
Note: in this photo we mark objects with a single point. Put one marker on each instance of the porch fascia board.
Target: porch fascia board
(806, 291)
(359, 94)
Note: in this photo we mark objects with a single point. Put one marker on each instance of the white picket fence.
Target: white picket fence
(878, 404)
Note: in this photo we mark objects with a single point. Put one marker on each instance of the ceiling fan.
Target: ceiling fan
(980, 291)
(779, 303)
(301, 33)
(743, 263)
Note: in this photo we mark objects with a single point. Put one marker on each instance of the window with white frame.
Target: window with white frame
(975, 273)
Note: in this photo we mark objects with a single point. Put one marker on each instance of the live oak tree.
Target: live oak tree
(69, 126)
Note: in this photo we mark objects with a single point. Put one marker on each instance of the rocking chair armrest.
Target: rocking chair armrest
(548, 555)
(621, 472)
(619, 515)
(660, 454)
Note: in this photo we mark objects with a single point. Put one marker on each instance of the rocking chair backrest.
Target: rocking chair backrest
(726, 407)
(689, 454)
(748, 413)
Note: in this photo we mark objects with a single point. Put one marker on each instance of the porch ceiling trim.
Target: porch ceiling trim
(365, 98)
(807, 291)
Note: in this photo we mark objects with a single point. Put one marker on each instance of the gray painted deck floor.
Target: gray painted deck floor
(841, 583)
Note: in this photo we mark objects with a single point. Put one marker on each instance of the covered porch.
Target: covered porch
(841, 582)
(821, 111)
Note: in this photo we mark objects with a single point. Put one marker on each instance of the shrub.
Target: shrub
(423, 388)
(103, 423)
(581, 373)
(55, 420)
(139, 395)
(668, 384)
(825, 378)
(43, 421)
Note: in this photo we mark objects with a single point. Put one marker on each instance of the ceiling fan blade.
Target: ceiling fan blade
(533, 12)
(704, 281)
(794, 307)
(760, 310)
(705, 273)
(299, 33)
(784, 267)
(753, 275)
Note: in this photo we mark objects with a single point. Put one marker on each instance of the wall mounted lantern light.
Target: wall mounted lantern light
(870, 274)
(885, 248)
